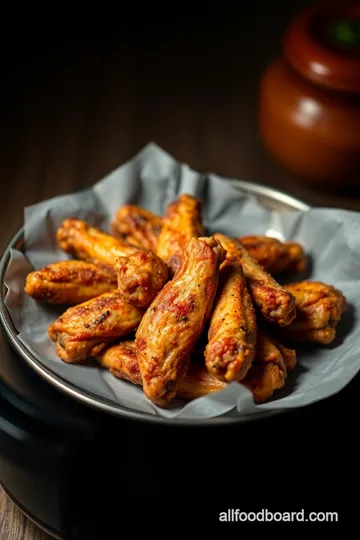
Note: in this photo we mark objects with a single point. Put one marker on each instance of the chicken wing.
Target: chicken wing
(182, 222)
(319, 308)
(267, 375)
(141, 274)
(172, 325)
(89, 243)
(232, 332)
(70, 282)
(140, 277)
(268, 372)
(137, 226)
(84, 330)
(275, 303)
(289, 356)
(121, 360)
(286, 258)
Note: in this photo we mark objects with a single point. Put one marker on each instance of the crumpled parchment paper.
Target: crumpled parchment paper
(152, 179)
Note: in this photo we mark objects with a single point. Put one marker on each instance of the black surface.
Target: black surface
(308, 459)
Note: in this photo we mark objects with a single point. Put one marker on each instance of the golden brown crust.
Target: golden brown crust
(289, 356)
(195, 334)
(274, 256)
(275, 303)
(121, 360)
(70, 282)
(268, 372)
(264, 380)
(84, 330)
(140, 277)
(266, 376)
(297, 259)
(319, 309)
(89, 243)
(172, 325)
(137, 226)
(141, 274)
(182, 222)
(232, 332)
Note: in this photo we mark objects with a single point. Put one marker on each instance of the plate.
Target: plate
(269, 198)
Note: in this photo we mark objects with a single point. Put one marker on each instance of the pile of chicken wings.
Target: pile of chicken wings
(159, 302)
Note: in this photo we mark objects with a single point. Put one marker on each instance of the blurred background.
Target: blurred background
(84, 90)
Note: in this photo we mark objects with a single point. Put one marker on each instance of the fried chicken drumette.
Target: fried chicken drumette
(267, 375)
(232, 332)
(270, 368)
(183, 221)
(172, 325)
(121, 360)
(275, 303)
(141, 274)
(319, 308)
(84, 330)
(70, 282)
(137, 226)
(285, 258)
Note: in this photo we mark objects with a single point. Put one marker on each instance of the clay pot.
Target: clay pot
(310, 98)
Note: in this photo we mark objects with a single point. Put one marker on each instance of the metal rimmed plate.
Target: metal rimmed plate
(269, 198)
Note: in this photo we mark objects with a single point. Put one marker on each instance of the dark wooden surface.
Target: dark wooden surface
(77, 103)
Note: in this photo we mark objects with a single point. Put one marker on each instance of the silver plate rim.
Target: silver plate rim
(101, 404)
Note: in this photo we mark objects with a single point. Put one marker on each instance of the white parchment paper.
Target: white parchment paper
(153, 179)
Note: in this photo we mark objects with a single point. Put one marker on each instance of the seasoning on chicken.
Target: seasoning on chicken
(289, 356)
(286, 258)
(267, 375)
(121, 360)
(141, 274)
(182, 222)
(140, 277)
(275, 303)
(232, 332)
(137, 226)
(84, 330)
(319, 308)
(172, 325)
(268, 372)
(70, 282)
(89, 243)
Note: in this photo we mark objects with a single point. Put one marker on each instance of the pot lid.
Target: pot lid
(323, 44)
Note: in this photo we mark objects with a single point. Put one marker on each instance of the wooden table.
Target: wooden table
(76, 107)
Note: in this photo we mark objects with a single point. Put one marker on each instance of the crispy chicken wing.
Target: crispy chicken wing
(289, 356)
(84, 330)
(121, 360)
(140, 277)
(232, 333)
(141, 274)
(319, 308)
(267, 375)
(275, 303)
(268, 372)
(70, 282)
(275, 257)
(182, 222)
(137, 226)
(171, 327)
(89, 243)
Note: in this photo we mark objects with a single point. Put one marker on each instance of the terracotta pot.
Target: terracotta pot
(310, 98)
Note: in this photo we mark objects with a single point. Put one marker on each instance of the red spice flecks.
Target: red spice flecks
(141, 344)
